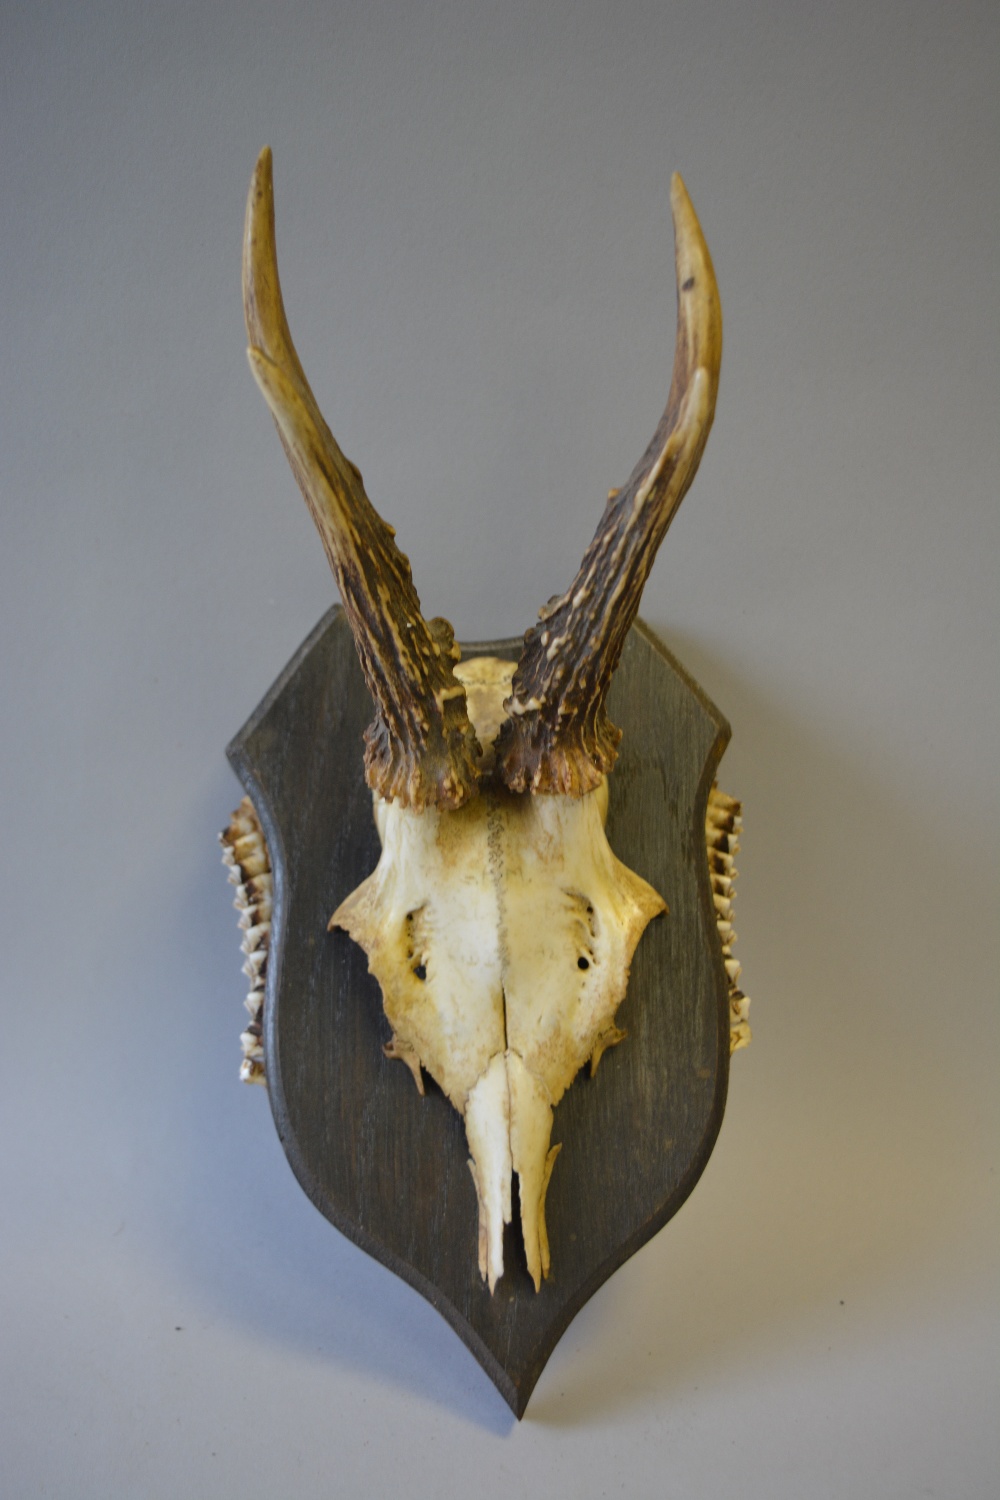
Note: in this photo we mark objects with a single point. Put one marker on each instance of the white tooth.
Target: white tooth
(244, 852)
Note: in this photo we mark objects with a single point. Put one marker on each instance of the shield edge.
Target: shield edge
(515, 1390)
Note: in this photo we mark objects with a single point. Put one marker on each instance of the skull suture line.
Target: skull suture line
(498, 922)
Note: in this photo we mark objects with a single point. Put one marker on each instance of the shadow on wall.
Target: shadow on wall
(849, 1155)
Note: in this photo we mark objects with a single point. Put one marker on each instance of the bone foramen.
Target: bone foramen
(498, 922)
(501, 935)
(244, 853)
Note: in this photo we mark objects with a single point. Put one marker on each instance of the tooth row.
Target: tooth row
(723, 824)
(244, 853)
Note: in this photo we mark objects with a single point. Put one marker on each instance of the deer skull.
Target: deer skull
(498, 922)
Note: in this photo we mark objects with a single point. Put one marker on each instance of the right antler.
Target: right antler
(558, 737)
(421, 749)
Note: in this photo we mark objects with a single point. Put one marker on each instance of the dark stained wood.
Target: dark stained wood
(388, 1167)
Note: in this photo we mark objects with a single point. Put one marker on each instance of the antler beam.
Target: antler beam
(558, 737)
(421, 749)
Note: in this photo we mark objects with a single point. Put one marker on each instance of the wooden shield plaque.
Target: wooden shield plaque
(388, 1167)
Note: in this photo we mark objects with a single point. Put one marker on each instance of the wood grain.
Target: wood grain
(388, 1167)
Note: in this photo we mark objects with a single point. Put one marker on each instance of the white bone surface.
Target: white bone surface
(501, 935)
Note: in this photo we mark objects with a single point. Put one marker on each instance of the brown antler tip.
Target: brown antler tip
(558, 737)
(421, 749)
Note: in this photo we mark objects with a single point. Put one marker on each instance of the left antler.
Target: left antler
(421, 749)
(558, 737)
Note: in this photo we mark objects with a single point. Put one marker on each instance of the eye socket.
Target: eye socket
(583, 963)
(421, 971)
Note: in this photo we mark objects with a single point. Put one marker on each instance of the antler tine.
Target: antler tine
(421, 749)
(558, 737)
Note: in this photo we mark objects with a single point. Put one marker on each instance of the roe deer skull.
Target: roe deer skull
(498, 922)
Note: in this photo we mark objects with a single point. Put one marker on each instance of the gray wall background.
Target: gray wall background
(475, 237)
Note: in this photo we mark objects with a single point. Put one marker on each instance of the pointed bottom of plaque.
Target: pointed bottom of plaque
(388, 1167)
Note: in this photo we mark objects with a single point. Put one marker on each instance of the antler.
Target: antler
(558, 737)
(421, 749)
